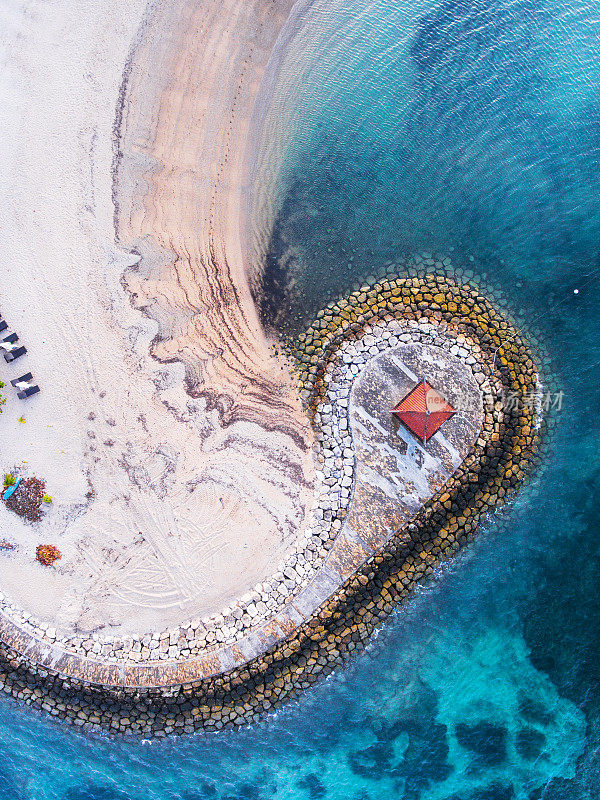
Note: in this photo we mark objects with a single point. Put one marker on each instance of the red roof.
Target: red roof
(423, 411)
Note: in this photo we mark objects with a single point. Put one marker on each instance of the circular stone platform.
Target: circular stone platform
(387, 510)
(395, 473)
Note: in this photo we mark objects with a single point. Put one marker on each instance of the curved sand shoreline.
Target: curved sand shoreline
(168, 433)
(226, 465)
(372, 566)
(181, 181)
(193, 277)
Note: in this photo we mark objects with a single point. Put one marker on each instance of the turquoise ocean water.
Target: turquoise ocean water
(471, 129)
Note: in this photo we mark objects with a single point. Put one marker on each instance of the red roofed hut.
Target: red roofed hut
(423, 411)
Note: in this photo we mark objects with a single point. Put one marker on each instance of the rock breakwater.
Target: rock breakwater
(364, 552)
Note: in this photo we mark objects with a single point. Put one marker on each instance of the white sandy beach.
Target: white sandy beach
(167, 432)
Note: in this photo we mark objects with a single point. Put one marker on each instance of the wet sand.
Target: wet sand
(168, 432)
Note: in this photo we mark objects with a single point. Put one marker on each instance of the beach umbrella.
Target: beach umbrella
(423, 411)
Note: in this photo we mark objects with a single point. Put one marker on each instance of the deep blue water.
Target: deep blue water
(470, 129)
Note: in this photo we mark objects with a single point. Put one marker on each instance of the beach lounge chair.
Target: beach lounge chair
(10, 350)
(23, 379)
(25, 393)
(7, 345)
(12, 355)
(25, 387)
(3, 326)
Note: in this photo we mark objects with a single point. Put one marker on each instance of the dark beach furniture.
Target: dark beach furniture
(23, 379)
(10, 339)
(3, 326)
(25, 387)
(12, 355)
(25, 393)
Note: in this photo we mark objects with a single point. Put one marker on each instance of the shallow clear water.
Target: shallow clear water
(470, 129)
